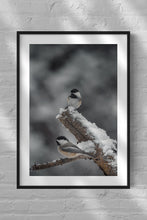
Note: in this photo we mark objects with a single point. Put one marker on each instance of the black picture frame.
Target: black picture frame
(19, 101)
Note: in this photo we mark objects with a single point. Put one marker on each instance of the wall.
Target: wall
(73, 15)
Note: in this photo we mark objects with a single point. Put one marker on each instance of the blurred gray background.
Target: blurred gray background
(54, 71)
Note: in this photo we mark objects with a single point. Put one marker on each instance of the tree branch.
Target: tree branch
(58, 162)
(79, 127)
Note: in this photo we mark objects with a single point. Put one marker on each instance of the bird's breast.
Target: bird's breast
(66, 154)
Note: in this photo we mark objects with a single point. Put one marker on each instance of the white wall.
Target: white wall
(68, 15)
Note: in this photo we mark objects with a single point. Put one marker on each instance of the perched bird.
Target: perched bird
(75, 99)
(68, 149)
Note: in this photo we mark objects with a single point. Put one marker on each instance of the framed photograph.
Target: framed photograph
(73, 109)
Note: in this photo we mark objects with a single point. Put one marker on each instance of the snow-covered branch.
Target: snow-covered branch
(58, 162)
(85, 131)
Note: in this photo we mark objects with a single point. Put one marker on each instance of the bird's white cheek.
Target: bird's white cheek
(62, 142)
(78, 94)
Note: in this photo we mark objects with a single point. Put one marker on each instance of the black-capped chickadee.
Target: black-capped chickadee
(68, 149)
(75, 99)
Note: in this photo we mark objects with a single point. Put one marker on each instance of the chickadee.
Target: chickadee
(75, 99)
(68, 149)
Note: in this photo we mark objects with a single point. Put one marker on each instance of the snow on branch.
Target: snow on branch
(58, 162)
(84, 131)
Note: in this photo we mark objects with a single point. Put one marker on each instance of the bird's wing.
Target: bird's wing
(71, 148)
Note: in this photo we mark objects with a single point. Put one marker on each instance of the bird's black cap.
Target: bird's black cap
(74, 90)
(61, 138)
